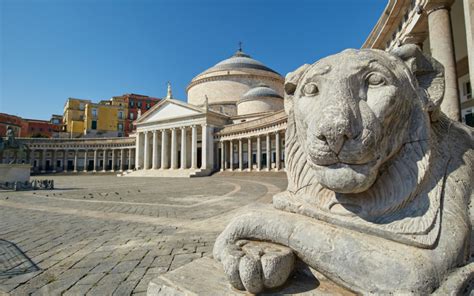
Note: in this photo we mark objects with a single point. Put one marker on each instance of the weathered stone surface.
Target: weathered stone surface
(206, 277)
(379, 180)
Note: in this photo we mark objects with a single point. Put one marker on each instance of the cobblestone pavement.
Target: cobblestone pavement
(103, 235)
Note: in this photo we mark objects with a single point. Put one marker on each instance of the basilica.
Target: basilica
(233, 120)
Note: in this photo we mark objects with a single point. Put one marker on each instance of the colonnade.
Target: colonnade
(258, 152)
(173, 148)
(121, 160)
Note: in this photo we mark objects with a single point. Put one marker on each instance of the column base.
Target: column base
(42, 172)
(74, 171)
(53, 171)
(94, 171)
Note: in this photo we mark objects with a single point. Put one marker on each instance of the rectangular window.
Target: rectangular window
(132, 103)
(120, 127)
(81, 106)
(94, 112)
(468, 90)
(139, 104)
(148, 106)
(131, 116)
(94, 124)
(120, 115)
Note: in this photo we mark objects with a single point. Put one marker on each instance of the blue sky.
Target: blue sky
(95, 49)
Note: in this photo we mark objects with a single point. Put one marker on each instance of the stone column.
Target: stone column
(138, 151)
(442, 49)
(146, 152)
(43, 161)
(65, 166)
(130, 150)
(85, 161)
(184, 164)
(174, 149)
(194, 147)
(269, 152)
(259, 153)
(104, 161)
(164, 150)
(231, 155)
(32, 158)
(240, 155)
(277, 151)
(204, 147)
(222, 156)
(154, 152)
(469, 22)
(112, 167)
(122, 159)
(53, 160)
(249, 154)
(75, 160)
(95, 161)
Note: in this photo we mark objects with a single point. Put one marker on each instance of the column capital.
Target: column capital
(183, 127)
(154, 131)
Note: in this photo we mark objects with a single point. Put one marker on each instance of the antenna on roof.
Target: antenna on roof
(240, 46)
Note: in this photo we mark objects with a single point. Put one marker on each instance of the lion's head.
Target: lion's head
(353, 111)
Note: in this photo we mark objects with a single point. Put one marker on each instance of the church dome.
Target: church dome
(260, 99)
(239, 60)
(225, 83)
(261, 91)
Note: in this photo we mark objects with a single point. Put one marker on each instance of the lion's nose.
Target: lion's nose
(334, 134)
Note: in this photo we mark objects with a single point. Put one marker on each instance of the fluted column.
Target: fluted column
(85, 160)
(184, 153)
(146, 152)
(249, 154)
(164, 150)
(231, 155)
(75, 160)
(204, 147)
(174, 149)
(240, 155)
(277, 151)
(154, 152)
(130, 150)
(104, 161)
(194, 147)
(53, 160)
(112, 167)
(269, 152)
(442, 49)
(138, 151)
(222, 155)
(65, 166)
(122, 159)
(259, 153)
(95, 161)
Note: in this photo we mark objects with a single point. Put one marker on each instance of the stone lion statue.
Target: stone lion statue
(379, 182)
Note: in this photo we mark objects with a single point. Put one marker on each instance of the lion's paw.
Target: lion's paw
(254, 266)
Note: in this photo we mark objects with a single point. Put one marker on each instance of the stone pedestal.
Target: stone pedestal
(205, 276)
(14, 172)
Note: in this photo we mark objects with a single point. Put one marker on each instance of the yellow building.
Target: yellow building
(83, 118)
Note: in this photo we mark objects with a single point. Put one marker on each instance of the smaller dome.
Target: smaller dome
(261, 91)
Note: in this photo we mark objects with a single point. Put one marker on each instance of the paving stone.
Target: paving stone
(80, 252)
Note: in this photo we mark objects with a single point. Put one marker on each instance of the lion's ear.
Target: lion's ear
(428, 72)
(291, 82)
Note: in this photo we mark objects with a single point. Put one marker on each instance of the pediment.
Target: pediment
(169, 109)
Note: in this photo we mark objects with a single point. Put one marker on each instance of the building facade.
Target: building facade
(107, 118)
(443, 29)
(233, 120)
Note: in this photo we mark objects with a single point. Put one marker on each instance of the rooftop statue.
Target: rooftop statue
(20, 151)
(379, 182)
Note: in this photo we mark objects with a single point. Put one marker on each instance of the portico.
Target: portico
(175, 138)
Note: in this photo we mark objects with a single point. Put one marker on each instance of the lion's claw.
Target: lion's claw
(254, 266)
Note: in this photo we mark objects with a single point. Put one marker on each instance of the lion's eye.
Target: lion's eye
(375, 79)
(311, 89)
